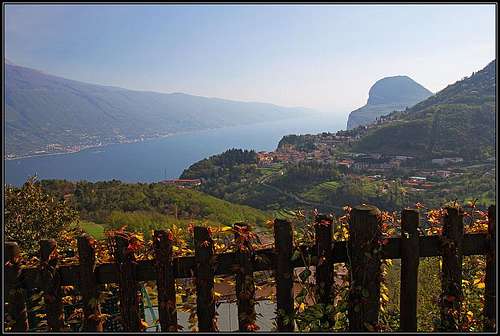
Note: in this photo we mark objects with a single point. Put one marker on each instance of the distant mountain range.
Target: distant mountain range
(385, 96)
(457, 121)
(47, 113)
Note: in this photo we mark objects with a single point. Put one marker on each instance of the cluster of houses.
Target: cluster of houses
(418, 182)
(288, 154)
(373, 162)
(323, 143)
(422, 181)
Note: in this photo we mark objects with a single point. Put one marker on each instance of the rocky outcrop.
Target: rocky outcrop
(387, 95)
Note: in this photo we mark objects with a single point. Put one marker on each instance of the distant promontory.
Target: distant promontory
(387, 95)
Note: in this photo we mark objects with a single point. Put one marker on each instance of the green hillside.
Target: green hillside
(306, 184)
(457, 121)
(144, 207)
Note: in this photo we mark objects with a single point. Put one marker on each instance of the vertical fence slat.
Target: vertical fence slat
(364, 262)
(165, 281)
(204, 260)
(490, 280)
(410, 256)
(362, 257)
(245, 286)
(324, 264)
(88, 285)
(51, 284)
(15, 295)
(451, 278)
(283, 242)
(129, 289)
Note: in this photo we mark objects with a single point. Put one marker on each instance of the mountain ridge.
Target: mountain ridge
(44, 110)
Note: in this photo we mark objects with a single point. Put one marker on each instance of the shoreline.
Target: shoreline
(81, 150)
(103, 146)
(148, 139)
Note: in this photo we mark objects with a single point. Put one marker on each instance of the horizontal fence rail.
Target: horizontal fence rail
(225, 264)
(362, 253)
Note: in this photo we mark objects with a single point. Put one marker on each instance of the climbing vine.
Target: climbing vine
(308, 313)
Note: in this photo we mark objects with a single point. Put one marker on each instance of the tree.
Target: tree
(32, 215)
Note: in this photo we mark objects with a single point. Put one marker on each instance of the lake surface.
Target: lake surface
(154, 160)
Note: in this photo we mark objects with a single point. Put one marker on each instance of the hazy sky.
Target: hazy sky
(324, 56)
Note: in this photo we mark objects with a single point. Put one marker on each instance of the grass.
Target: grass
(267, 171)
(316, 194)
(93, 229)
(284, 214)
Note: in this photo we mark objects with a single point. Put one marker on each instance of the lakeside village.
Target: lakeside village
(324, 147)
(86, 142)
(321, 148)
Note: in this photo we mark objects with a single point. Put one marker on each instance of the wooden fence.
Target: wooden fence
(363, 252)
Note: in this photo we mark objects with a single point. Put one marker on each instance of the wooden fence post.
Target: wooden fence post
(129, 289)
(204, 260)
(245, 286)
(15, 294)
(490, 281)
(451, 278)
(51, 284)
(92, 320)
(364, 261)
(165, 281)
(283, 242)
(410, 256)
(324, 265)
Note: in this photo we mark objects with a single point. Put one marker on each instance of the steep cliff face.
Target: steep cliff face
(387, 95)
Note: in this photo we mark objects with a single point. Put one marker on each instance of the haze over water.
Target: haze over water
(154, 160)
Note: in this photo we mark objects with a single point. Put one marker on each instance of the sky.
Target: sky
(324, 57)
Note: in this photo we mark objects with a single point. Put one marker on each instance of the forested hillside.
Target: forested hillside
(457, 121)
(288, 185)
(143, 207)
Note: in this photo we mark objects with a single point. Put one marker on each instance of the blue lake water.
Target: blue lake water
(154, 160)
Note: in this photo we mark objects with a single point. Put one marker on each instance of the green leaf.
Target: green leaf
(295, 256)
(304, 275)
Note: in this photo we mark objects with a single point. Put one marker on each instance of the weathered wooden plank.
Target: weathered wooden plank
(51, 284)
(165, 280)
(324, 266)
(490, 280)
(265, 259)
(451, 275)
(88, 286)
(127, 280)
(283, 242)
(15, 295)
(364, 266)
(245, 285)
(204, 279)
(410, 256)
